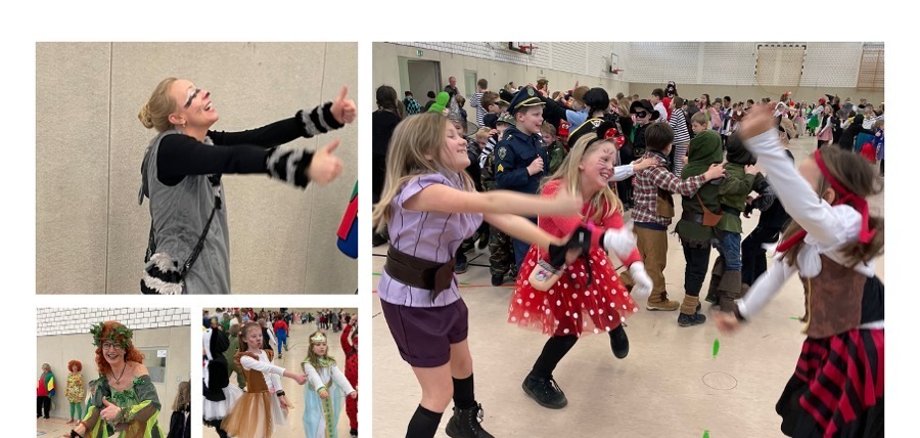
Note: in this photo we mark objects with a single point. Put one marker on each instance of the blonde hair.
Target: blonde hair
(155, 113)
(605, 202)
(414, 138)
(183, 396)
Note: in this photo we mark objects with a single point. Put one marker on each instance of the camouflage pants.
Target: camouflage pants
(501, 257)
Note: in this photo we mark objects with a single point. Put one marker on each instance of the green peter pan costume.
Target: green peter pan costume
(705, 150)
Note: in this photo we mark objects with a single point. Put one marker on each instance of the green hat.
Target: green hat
(505, 118)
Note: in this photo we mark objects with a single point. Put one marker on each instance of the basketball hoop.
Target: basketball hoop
(525, 48)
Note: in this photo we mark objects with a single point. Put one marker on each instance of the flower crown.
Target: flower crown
(120, 335)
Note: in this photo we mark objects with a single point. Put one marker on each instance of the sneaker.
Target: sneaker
(498, 279)
(461, 267)
(465, 424)
(619, 342)
(685, 320)
(545, 392)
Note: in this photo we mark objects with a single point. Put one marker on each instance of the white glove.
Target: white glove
(643, 287)
(621, 241)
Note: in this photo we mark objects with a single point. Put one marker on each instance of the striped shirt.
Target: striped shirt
(646, 185)
(476, 102)
(678, 124)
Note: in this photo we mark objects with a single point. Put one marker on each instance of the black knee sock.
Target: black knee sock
(463, 393)
(554, 350)
(424, 423)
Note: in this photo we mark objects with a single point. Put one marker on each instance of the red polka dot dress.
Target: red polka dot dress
(589, 296)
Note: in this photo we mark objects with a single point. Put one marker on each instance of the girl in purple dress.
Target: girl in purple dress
(429, 206)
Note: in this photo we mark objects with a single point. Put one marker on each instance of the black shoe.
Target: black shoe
(379, 239)
(353, 433)
(619, 342)
(465, 424)
(483, 241)
(498, 279)
(461, 267)
(545, 392)
(685, 320)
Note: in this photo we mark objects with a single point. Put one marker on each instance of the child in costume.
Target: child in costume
(740, 179)
(45, 391)
(838, 385)
(653, 211)
(180, 421)
(701, 212)
(263, 406)
(76, 390)
(566, 296)
(219, 395)
(124, 403)
(429, 206)
(349, 342)
(322, 398)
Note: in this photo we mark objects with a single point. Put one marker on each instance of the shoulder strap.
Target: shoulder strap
(187, 266)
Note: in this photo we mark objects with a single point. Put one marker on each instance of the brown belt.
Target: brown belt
(418, 272)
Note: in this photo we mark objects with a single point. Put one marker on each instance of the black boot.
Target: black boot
(619, 343)
(544, 391)
(465, 424)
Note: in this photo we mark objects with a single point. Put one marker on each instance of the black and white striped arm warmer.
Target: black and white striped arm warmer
(289, 164)
(319, 120)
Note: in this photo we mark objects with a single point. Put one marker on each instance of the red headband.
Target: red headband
(844, 196)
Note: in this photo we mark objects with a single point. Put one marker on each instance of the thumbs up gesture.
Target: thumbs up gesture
(325, 167)
(110, 411)
(343, 108)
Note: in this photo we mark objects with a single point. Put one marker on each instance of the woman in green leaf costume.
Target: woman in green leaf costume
(124, 403)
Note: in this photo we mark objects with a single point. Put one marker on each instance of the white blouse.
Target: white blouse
(829, 228)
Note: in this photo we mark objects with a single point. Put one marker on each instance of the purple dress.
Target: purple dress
(428, 235)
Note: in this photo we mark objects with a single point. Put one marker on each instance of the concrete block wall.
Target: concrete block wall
(91, 233)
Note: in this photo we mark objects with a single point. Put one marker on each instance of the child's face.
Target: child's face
(697, 128)
(548, 138)
(254, 338)
(597, 166)
(812, 174)
(529, 120)
(501, 127)
(453, 155)
(320, 349)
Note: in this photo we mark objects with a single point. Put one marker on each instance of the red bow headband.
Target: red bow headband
(844, 196)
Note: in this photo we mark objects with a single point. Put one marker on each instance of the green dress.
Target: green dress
(139, 405)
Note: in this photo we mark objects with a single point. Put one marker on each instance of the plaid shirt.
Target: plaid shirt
(646, 185)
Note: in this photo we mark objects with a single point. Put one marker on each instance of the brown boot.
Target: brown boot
(712, 296)
(660, 301)
(689, 315)
(729, 290)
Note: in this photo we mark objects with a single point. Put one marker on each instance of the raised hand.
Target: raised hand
(325, 167)
(757, 121)
(343, 108)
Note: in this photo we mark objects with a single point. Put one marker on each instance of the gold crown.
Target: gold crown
(319, 337)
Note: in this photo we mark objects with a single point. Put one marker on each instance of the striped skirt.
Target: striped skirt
(837, 387)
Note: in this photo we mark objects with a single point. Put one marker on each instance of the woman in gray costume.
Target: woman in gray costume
(188, 250)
